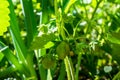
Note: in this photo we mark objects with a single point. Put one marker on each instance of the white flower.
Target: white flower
(107, 69)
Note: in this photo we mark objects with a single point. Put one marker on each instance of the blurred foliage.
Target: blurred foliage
(4, 15)
(91, 29)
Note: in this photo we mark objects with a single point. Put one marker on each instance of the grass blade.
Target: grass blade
(14, 61)
(30, 22)
(15, 33)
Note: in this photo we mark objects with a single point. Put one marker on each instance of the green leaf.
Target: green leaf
(117, 76)
(117, 1)
(68, 6)
(113, 39)
(112, 1)
(4, 16)
(40, 42)
(49, 45)
(7, 71)
(30, 22)
(115, 24)
(14, 60)
(43, 28)
(62, 72)
(15, 34)
(1, 56)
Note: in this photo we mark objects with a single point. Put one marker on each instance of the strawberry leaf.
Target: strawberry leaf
(41, 42)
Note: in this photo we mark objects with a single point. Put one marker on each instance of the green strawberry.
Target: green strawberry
(48, 61)
(62, 50)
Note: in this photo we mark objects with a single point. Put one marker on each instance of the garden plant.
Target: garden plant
(59, 39)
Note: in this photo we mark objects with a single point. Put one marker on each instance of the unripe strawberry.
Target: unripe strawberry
(48, 61)
(62, 50)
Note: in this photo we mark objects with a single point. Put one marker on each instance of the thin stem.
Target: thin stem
(61, 31)
(74, 30)
(62, 72)
(71, 68)
(78, 65)
(66, 31)
(98, 3)
(45, 16)
(49, 76)
(70, 3)
(67, 68)
(42, 71)
(57, 16)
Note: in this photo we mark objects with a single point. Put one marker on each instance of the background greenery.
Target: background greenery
(59, 39)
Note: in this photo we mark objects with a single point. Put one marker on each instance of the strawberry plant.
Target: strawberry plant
(59, 39)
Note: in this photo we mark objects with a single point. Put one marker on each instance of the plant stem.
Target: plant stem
(42, 71)
(93, 14)
(62, 72)
(70, 3)
(49, 77)
(59, 20)
(67, 68)
(45, 11)
(60, 25)
(78, 65)
(71, 68)
(74, 30)
(44, 19)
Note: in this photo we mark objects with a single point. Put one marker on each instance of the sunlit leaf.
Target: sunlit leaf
(117, 1)
(70, 3)
(41, 42)
(49, 45)
(94, 3)
(4, 16)
(1, 56)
